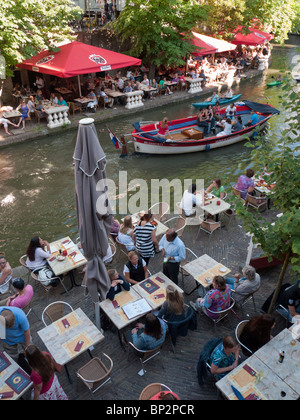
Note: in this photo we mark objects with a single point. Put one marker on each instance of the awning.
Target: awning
(77, 58)
(255, 37)
(211, 45)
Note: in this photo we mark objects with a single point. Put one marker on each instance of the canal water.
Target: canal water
(37, 178)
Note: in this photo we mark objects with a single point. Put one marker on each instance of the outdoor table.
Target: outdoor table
(73, 260)
(205, 267)
(161, 229)
(61, 342)
(11, 114)
(146, 88)
(63, 91)
(210, 205)
(153, 289)
(83, 101)
(10, 371)
(255, 380)
(263, 188)
(289, 369)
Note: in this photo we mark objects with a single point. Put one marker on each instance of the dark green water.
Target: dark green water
(37, 180)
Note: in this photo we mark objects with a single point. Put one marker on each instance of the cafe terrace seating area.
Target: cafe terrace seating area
(102, 365)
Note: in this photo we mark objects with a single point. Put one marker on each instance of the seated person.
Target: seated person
(5, 123)
(215, 97)
(120, 84)
(117, 283)
(279, 78)
(53, 99)
(241, 287)
(163, 129)
(224, 357)
(172, 309)
(62, 102)
(125, 235)
(231, 111)
(24, 109)
(164, 88)
(217, 299)
(114, 229)
(135, 270)
(216, 188)
(22, 296)
(40, 109)
(245, 184)
(227, 127)
(202, 121)
(228, 93)
(290, 300)
(253, 119)
(107, 100)
(37, 253)
(39, 96)
(190, 200)
(165, 395)
(257, 332)
(145, 80)
(91, 105)
(5, 274)
(150, 335)
(237, 124)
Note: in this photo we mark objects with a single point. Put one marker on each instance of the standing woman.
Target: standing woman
(37, 253)
(145, 238)
(46, 386)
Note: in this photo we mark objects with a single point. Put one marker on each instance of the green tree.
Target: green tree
(155, 28)
(281, 238)
(29, 26)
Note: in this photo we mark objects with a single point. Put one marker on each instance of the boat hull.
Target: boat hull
(274, 83)
(222, 102)
(190, 146)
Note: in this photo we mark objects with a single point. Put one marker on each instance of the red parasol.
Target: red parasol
(255, 37)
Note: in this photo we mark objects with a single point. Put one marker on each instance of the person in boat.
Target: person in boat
(217, 110)
(237, 124)
(228, 94)
(216, 188)
(190, 201)
(253, 119)
(163, 129)
(227, 127)
(231, 111)
(211, 119)
(202, 120)
(215, 97)
(279, 78)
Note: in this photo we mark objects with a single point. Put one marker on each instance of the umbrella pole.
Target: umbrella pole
(79, 85)
(97, 316)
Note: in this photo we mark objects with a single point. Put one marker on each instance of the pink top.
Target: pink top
(37, 380)
(161, 130)
(22, 301)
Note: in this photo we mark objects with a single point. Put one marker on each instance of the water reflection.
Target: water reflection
(37, 180)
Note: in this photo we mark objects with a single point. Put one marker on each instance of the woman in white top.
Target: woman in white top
(5, 274)
(125, 234)
(37, 253)
(31, 104)
(53, 99)
(227, 128)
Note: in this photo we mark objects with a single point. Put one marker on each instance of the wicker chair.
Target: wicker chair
(159, 210)
(122, 247)
(22, 261)
(208, 225)
(221, 314)
(238, 332)
(144, 355)
(178, 223)
(55, 311)
(108, 259)
(95, 374)
(152, 390)
(257, 202)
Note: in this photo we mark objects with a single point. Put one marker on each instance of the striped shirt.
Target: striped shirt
(144, 242)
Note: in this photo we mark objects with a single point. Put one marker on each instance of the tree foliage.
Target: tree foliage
(155, 27)
(29, 26)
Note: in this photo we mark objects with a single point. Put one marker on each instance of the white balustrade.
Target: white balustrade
(57, 116)
(134, 99)
(195, 84)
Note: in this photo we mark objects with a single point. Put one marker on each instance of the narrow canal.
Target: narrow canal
(37, 179)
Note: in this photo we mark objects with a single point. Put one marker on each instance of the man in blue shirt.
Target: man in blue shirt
(17, 331)
(173, 251)
(253, 120)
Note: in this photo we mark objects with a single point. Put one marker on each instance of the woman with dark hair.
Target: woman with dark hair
(45, 383)
(217, 299)
(22, 296)
(245, 183)
(257, 332)
(152, 333)
(37, 253)
(145, 238)
(216, 188)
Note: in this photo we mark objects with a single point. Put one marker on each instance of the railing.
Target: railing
(134, 99)
(195, 84)
(57, 116)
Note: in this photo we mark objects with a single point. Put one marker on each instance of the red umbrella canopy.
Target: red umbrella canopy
(77, 58)
(256, 37)
(198, 42)
(219, 45)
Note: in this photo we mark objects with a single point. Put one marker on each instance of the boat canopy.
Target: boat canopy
(262, 108)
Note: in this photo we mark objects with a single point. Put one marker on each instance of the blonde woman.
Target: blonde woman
(172, 309)
(163, 129)
(125, 234)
